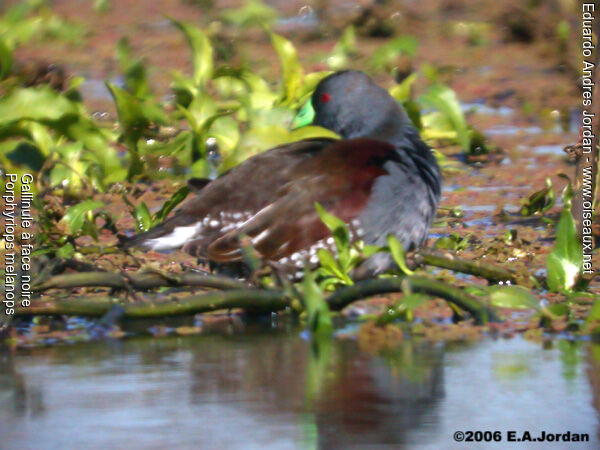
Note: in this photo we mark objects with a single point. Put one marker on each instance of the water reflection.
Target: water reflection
(275, 390)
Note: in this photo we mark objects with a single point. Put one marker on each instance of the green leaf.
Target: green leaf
(202, 52)
(309, 83)
(339, 229)
(403, 91)
(540, 201)
(345, 48)
(253, 13)
(6, 60)
(290, 67)
(142, 217)
(136, 77)
(259, 94)
(66, 251)
(515, 297)
(398, 254)
(76, 215)
(444, 99)
(311, 131)
(170, 204)
(39, 104)
(384, 58)
(317, 309)
(331, 267)
(564, 263)
(452, 242)
(331, 221)
(559, 309)
(131, 116)
(201, 109)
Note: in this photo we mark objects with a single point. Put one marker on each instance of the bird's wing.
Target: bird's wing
(230, 199)
(340, 177)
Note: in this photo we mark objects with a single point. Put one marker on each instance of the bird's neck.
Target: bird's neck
(399, 131)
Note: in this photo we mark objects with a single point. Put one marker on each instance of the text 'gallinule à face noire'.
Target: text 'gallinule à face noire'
(380, 178)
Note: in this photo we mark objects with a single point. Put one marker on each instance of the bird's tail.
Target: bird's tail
(171, 234)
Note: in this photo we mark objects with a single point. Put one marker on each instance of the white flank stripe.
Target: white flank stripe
(178, 237)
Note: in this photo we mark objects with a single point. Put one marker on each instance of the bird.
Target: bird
(380, 178)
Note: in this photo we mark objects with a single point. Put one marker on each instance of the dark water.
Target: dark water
(276, 391)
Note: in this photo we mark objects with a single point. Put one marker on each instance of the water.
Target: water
(480, 107)
(550, 149)
(270, 390)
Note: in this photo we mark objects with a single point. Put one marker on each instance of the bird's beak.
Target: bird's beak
(305, 115)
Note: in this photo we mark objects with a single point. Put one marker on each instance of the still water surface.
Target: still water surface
(273, 390)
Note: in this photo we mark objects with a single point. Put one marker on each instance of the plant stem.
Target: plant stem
(447, 261)
(249, 299)
(457, 296)
(138, 280)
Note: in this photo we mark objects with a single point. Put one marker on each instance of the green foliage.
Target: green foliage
(202, 52)
(41, 126)
(397, 252)
(40, 104)
(515, 297)
(144, 220)
(34, 20)
(475, 33)
(385, 57)
(317, 310)
(291, 69)
(339, 269)
(343, 50)
(253, 13)
(229, 110)
(448, 122)
(452, 242)
(6, 60)
(539, 202)
(564, 263)
(102, 6)
(81, 215)
(335, 270)
(403, 91)
(134, 71)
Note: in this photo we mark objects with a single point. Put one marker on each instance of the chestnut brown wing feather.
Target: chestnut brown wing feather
(340, 177)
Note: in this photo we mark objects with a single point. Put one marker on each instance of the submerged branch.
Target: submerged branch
(138, 281)
(248, 299)
(457, 296)
(485, 270)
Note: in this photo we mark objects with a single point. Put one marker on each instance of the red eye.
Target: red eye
(325, 98)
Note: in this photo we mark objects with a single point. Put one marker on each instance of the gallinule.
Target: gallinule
(380, 178)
